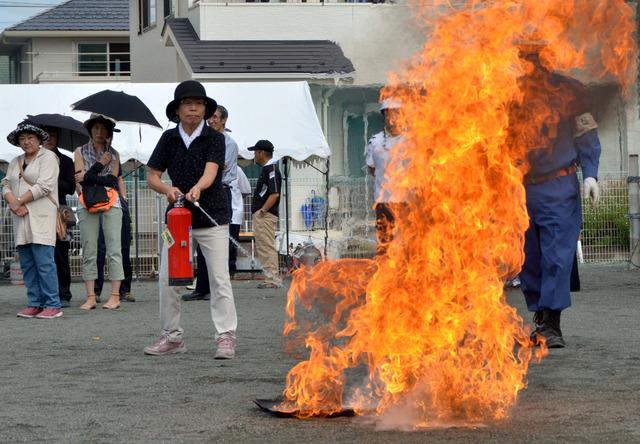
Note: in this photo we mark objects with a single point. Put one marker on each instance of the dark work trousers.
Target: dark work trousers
(555, 217)
(125, 237)
(202, 274)
(61, 254)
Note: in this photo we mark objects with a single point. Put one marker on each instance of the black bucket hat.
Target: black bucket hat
(190, 89)
(107, 121)
(262, 145)
(26, 127)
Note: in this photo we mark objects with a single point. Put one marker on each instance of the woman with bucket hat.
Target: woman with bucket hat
(30, 189)
(97, 166)
(194, 155)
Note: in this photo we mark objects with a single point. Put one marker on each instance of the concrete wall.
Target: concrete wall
(632, 115)
(611, 114)
(375, 37)
(151, 60)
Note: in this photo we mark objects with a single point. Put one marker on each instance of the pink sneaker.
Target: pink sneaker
(29, 312)
(226, 347)
(163, 346)
(49, 313)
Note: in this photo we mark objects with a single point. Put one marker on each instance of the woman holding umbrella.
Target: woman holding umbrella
(31, 191)
(96, 165)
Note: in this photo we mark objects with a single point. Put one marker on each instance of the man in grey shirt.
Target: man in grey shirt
(218, 122)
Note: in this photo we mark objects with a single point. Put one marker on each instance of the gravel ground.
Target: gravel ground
(83, 378)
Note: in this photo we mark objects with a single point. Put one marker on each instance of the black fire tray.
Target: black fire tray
(272, 407)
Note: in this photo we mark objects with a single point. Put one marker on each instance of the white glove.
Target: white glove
(591, 190)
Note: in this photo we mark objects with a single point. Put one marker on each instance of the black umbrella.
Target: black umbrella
(120, 106)
(71, 132)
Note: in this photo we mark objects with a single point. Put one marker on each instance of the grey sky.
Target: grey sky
(11, 14)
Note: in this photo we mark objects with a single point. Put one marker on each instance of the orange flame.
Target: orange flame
(429, 320)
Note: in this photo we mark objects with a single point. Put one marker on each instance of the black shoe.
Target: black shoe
(65, 303)
(549, 330)
(537, 323)
(127, 297)
(195, 296)
(552, 337)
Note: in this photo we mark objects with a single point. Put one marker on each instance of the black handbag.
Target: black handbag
(94, 194)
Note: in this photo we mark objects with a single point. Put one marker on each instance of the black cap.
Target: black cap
(190, 89)
(263, 145)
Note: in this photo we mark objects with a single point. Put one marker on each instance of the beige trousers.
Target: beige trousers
(264, 229)
(214, 243)
(89, 224)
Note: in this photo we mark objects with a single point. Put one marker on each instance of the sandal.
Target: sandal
(89, 304)
(116, 305)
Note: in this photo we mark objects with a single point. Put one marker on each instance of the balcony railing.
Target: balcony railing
(84, 66)
(204, 2)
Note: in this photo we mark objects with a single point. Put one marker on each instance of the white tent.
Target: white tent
(281, 112)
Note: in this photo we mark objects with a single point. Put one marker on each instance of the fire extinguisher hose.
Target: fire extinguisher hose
(213, 221)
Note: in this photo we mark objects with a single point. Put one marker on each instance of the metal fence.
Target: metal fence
(339, 217)
(351, 220)
(605, 228)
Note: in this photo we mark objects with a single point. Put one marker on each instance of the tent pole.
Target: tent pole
(286, 204)
(135, 199)
(326, 209)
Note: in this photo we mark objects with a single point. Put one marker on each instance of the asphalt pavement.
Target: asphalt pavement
(84, 378)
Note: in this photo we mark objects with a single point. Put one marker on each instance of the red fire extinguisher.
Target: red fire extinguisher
(180, 253)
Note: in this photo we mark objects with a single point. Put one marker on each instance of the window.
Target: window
(146, 14)
(168, 8)
(104, 59)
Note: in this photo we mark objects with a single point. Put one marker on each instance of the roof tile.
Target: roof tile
(258, 56)
(80, 15)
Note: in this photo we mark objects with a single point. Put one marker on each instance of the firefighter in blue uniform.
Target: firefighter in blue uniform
(553, 198)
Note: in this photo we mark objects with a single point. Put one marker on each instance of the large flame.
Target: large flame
(428, 320)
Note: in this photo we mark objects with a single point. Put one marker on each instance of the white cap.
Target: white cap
(390, 103)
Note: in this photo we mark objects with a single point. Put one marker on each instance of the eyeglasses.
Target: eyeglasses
(192, 102)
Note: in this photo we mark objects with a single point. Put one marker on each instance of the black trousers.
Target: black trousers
(61, 254)
(125, 238)
(234, 233)
(385, 223)
(202, 274)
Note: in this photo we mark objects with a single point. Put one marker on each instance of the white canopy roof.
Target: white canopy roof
(281, 112)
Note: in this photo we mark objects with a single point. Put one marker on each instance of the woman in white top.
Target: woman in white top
(30, 188)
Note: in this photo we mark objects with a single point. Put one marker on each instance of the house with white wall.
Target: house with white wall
(343, 49)
(76, 41)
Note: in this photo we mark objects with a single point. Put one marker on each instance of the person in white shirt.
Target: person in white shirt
(217, 122)
(377, 159)
(240, 187)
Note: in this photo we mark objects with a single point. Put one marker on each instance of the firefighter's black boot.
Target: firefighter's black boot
(551, 328)
(538, 317)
